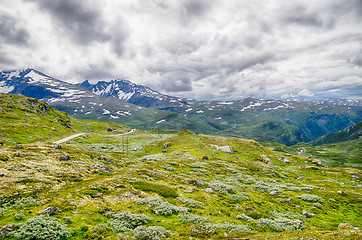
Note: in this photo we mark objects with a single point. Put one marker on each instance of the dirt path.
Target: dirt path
(68, 138)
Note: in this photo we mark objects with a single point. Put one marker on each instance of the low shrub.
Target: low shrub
(310, 198)
(41, 227)
(150, 233)
(202, 230)
(222, 187)
(190, 202)
(160, 189)
(160, 207)
(237, 197)
(124, 221)
(194, 218)
(244, 217)
(233, 228)
(282, 224)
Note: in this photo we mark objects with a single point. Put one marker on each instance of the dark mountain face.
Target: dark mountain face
(122, 101)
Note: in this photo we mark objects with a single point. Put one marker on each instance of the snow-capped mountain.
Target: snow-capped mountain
(32, 83)
(288, 121)
(136, 94)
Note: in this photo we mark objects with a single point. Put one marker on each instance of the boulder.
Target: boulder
(97, 195)
(226, 149)
(128, 195)
(307, 214)
(64, 157)
(50, 211)
(18, 146)
(345, 225)
(102, 168)
(274, 193)
(209, 190)
(56, 146)
(205, 158)
(286, 160)
(250, 209)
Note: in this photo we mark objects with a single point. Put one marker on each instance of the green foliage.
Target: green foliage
(191, 203)
(239, 197)
(41, 227)
(282, 224)
(125, 220)
(160, 207)
(244, 217)
(310, 198)
(222, 187)
(160, 189)
(194, 218)
(150, 233)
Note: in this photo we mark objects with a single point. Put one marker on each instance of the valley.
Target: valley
(116, 183)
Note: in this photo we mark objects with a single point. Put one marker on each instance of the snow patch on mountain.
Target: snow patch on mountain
(161, 121)
(4, 88)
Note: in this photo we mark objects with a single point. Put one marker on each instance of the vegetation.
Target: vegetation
(167, 185)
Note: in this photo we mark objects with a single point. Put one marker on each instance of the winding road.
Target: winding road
(80, 134)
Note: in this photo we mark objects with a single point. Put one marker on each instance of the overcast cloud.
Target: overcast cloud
(203, 49)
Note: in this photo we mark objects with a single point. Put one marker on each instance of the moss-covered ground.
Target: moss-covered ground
(202, 191)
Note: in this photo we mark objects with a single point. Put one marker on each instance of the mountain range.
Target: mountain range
(122, 101)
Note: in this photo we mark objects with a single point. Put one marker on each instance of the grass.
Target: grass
(171, 167)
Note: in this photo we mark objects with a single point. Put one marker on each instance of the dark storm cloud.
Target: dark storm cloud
(300, 15)
(11, 32)
(196, 7)
(5, 60)
(100, 71)
(80, 19)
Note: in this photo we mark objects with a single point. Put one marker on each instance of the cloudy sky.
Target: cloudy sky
(203, 49)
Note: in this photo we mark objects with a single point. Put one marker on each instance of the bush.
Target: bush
(161, 207)
(150, 233)
(282, 224)
(190, 202)
(160, 189)
(124, 221)
(202, 230)
(194, 218)
(222, 187)
(310, 198)
(237, 198)
(233, 228)
(41, 227)
(245, 217)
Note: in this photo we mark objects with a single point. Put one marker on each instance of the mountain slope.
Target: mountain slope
(171, 186)
(287, 122)
(350, 133)
(135, 94)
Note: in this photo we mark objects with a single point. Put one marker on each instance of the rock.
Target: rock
(2, 175)
(209, 190)
(345, 225)
(205, 158)
(56, 146)
(93, 188)
(52, 128)
(73, 203)
(266, 160)
(18, 146)
(342, 193)
(250, 209)
(50, 211)
(322, 188)
(226, 149)
(286, 160)
(97, 195)
(120, 186)
(355, 177)
(191, 190)
(274, 193)
(307, 214)
(18, 154)
(109, 129)
(6, 229)
(64, 157)
(103, 168)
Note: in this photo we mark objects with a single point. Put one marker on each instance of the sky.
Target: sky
(200, 49)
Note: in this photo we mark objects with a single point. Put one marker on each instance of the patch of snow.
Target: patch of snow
(218, 118)
(114, 117)
(125, 96)
(199, 111)
(171, 101)
(251, 106)
(161, 121)
(87, 113)
(5, 89)
(225, 103)
(188, 110)
(106, 112)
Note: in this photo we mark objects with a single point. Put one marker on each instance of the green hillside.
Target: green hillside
(352, 132)
(166, 185)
